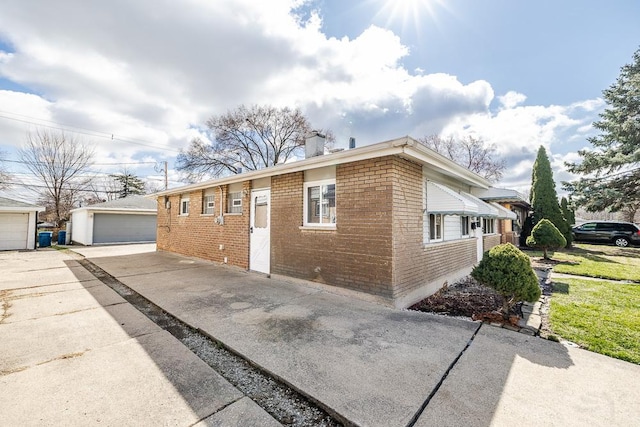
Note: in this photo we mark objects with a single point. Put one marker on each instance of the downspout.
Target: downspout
(35, 230)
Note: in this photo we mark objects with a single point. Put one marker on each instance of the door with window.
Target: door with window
(260, 237)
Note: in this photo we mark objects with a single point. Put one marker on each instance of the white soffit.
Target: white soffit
(484, 208)
(504, 213)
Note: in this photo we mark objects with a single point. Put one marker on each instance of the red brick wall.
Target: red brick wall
(357, 254)
(199, 236)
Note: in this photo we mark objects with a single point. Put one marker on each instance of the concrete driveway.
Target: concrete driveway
(377, 366)
(73, 352)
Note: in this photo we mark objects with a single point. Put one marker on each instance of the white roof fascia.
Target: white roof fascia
(406, 147)
(366, 152)
(116, 210)
(484, 209)
(443, 200)
(504, 213)
(434, 159)
(22, 209)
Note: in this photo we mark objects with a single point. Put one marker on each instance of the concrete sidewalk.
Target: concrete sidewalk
(377, 366)
(73, 352)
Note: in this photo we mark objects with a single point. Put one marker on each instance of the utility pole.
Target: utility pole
(166, 180)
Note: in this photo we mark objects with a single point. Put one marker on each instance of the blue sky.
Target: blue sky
(137, 80)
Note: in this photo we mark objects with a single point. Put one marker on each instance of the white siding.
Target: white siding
(451, 227)
(81, 232)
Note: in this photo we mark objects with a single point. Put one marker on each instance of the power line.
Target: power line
(88, 132)
(92, 164)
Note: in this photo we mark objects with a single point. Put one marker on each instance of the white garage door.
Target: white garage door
(13, 231)
(123, 228)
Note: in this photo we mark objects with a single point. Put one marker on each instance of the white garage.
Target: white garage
(18, 224)
(128, 220)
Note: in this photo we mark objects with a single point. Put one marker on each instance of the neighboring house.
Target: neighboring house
(128, 220)
(395, 220)
(509, 228)
(18, 224)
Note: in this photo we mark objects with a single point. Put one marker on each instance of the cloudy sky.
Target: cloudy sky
(138, 79)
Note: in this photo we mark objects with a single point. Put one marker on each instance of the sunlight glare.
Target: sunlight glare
(408, 12)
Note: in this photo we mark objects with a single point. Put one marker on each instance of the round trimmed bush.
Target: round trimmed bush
(545, 235)
(507, 270)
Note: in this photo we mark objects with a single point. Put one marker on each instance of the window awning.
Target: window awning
(504, 213)
(443, 200)
(484, 209)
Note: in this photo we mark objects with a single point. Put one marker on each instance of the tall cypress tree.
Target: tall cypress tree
(567, 211)
(544, 199)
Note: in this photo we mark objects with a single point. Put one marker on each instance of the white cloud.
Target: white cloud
(512, 99)
(152, 74)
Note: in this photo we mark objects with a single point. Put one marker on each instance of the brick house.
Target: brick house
(512, 201)
(393, 221)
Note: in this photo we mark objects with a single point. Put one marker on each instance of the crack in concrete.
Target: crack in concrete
(435, 390)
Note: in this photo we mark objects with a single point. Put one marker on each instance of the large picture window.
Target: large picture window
(320, 203)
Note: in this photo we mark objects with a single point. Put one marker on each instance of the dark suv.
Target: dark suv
(618, 233)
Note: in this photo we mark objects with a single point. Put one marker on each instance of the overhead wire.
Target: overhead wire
(83, 131)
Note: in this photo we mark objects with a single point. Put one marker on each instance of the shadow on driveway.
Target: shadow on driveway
(376, 366)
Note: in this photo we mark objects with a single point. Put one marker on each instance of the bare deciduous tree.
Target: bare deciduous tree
(247, 138)
(470, 152)
(5, 177)
(58, 161)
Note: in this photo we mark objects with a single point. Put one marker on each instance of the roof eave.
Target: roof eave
(405, 146)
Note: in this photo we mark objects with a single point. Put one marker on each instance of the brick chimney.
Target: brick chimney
(314, 145)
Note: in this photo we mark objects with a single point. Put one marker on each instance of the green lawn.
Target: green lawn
(601, 316)
(601, 261)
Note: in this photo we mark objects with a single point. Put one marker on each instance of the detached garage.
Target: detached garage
(128, 220)
(17, 224)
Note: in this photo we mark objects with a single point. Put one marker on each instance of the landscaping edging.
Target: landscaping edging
(531, 321)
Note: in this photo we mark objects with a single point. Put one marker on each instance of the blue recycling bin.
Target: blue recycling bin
(44, 238)
(62, 237)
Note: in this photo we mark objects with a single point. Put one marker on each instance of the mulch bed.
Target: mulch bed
(468, 298)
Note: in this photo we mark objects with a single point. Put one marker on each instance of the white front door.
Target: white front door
(260, 237)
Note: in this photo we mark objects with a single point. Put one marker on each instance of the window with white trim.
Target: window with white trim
(464, 225)
(488, 225)
(234, 204)
(208, 204)
(320, 203)
(184, 206)
(436, 222)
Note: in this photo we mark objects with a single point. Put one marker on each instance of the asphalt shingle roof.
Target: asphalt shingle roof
(10, 203)
(131, 202)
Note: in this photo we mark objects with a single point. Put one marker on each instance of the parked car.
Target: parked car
(619, 233)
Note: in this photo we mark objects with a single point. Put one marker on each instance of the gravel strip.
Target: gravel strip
(282, 402)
